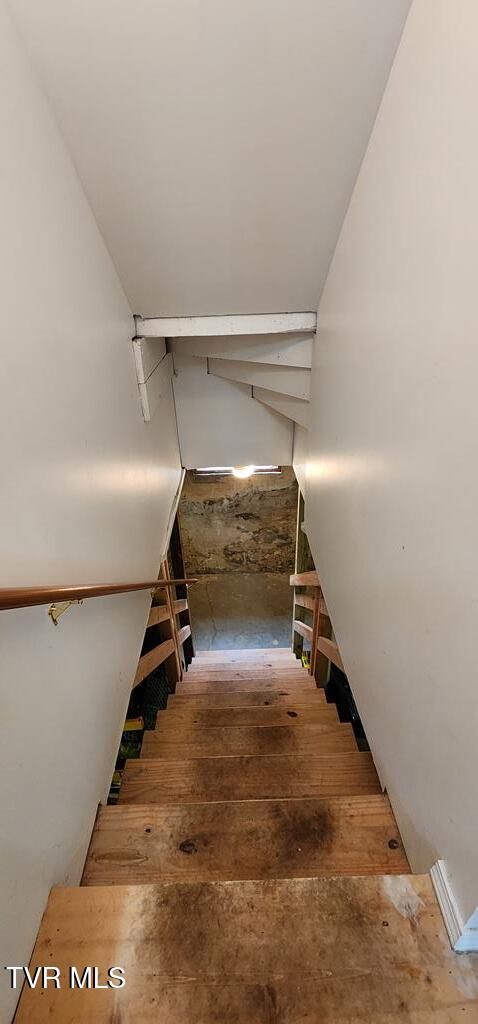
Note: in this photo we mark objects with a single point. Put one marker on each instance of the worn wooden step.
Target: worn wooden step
(188, 720)
(274, 739)
(134, 844)
(246, 658)
(253, 667)
(217, 663)
(244, 685)
(240, 671)
(227, 678)
(243, 653)
(254, 698)
(249, 777)
(191, 678)
(335, 950)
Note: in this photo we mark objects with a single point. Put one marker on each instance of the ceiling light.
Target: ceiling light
(242, 471)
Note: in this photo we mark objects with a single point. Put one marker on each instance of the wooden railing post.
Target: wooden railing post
(300, 628)
(322, 649)
(315, 627)
(182, 604)
(176, 675)
(322, 628)
(168, 652)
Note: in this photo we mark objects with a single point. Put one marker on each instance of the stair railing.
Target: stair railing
(322, 648)
(172, 639)
(61, 598)
(28, 597)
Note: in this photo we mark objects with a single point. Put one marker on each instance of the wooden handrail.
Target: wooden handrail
(27, 597)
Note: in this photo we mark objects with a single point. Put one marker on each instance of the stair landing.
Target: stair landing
(335, 950)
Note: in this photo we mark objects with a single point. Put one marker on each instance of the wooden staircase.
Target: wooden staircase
(252, 871)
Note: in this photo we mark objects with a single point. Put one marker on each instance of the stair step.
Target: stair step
(204, 664)
(274, 739)
(190, 721)
(244, 839)
(252, 952)
(232, 668)
(243, 685)
(250, 777)
(250, 698)
(228, 668)
(284, 657)
(296, 677)
(229, 680)
(226, 652)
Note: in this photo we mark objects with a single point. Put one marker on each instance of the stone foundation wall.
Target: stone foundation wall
(230, 525)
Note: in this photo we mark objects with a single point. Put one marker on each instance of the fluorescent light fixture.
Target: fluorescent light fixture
(240, 472)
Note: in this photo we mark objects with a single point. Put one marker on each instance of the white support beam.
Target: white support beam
(217, 326)
(148, 353)
(152, 390)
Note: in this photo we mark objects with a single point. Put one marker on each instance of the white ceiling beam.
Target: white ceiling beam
(217, 326)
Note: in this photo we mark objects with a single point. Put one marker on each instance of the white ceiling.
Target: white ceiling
(218, 141)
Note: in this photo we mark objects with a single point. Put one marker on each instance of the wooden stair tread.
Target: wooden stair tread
(246, 666)
(192, 721)
(270, 659)
(238, 658)
(243, 685)
(230, 677)
(227, 678)
(243, 671)
(274, 739)
(290, 950)
(231, 672)
(249, 698)
(244, 653)
(244, 839)
(215, 664)
(248, 777)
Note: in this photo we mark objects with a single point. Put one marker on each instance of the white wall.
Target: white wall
(219, 422)
(86, 493)
(392, 479)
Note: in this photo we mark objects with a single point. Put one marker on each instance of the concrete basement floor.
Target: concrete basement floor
(234, 610)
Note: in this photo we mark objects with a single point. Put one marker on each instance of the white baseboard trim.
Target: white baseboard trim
(462, 938)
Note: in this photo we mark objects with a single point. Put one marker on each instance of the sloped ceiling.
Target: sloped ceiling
(218, 141)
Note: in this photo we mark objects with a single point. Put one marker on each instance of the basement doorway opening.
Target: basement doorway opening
(238, 535)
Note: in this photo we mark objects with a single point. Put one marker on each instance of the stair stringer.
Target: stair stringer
(295, 409)
(275, 349)
(286, 380)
